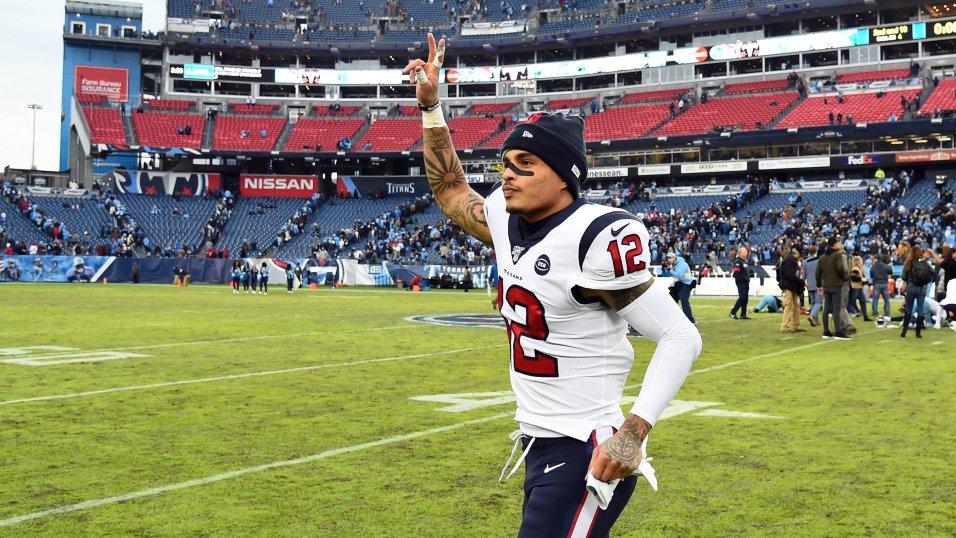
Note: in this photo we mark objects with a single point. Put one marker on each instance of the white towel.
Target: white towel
(604, 491)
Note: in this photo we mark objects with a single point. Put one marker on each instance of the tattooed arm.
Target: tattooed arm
(446, 177)
(650, 310)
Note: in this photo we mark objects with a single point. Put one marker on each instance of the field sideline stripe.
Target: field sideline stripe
(248, 470)
(237, 376)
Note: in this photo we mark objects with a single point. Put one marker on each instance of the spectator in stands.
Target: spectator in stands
(263, 133)
(742, 273)
(188, 129)
(243, 134)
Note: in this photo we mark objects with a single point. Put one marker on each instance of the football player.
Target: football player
(572, 276)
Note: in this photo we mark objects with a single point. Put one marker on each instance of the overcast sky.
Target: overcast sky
(31, 67)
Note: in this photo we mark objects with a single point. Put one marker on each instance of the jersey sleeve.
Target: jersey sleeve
(614, 253)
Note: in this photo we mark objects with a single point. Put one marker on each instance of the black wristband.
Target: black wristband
(429, 108)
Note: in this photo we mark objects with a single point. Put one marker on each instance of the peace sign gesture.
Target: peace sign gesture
(425, 73)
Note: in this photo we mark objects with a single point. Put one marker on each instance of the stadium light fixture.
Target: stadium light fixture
(33, 149)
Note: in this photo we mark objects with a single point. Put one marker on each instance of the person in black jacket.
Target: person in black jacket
(742, 274)
(792, 286)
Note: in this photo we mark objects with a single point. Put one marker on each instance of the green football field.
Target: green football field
(161, 411)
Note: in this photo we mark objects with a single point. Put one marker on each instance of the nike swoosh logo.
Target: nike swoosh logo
(615, 233)
(549, 468)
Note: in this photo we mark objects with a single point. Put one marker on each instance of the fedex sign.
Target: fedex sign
(278, 186)
(853, 160)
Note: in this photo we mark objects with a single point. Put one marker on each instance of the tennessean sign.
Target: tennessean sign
(278, 186)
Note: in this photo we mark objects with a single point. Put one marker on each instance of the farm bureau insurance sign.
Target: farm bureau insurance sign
(278, 186)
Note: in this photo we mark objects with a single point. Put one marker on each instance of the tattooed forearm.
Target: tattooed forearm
(618, 299)
(625, 447)
(446, 177)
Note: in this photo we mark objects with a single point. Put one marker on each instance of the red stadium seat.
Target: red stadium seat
(391, 134)
(942, 98)
(467, 132)
(650, 97)
(756, 87)
(106, 126)
(229, 129)
(161, 129)
(739, 113)
(325, 132)
(492, 108)
(174, 105)
(624, 123)
(262, 110)
(870, 76)
(864, 107)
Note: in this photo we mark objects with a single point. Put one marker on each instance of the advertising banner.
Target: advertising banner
(163, 183)
(925, 156)
(278, 186)
(796, 162)
(599, 173)
(99, 82)
(654, 170)
(722, 166)
(50, 268)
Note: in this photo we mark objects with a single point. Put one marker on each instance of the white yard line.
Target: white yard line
(235, 376)
(314, 457)
(240, 472)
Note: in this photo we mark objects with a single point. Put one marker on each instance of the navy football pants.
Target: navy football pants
(556, 502)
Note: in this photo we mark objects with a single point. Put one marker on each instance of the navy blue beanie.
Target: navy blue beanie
(559, 141)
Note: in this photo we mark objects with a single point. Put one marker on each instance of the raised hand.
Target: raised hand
(424, 74)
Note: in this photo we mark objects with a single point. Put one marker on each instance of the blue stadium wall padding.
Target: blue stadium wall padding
(211, 270)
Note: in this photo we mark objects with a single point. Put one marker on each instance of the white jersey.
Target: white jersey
(569, 360)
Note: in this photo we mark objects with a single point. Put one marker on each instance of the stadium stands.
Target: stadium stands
(161, 129)
(624, 123)
(246, 133)
(492, 108)
(247, 224)
(561, 104)
(325, 132)
(164, 226)
(391, 134)
(106, 126)
(77, 214)
(650, 97)
(871, 76)
(740, 113)
(943, 97)
(169, 105)
(406, 110)
(863, 107)
(467, 132)
(324, 110)
(756, 87)
(244, 108)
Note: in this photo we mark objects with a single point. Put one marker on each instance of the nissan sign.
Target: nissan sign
(278, 186)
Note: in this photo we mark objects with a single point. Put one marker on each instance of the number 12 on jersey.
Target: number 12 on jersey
(626, 264)
(534, 328)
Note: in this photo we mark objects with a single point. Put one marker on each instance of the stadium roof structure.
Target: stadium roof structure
(111, 8)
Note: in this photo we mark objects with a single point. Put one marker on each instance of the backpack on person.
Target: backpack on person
(921, 273)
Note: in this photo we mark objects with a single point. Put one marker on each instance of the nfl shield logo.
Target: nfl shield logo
(516, 253)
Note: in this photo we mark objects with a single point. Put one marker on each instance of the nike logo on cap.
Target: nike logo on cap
(548, 468)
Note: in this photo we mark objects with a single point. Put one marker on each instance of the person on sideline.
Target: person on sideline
(792, 286)
(572, 276)
(742, 274)
(830, 275)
